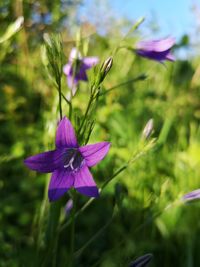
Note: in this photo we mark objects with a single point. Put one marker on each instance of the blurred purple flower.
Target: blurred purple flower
(69, 163)
(142, 261)
(158, 50)
(192, 195)
(75, 69)
(69, 206)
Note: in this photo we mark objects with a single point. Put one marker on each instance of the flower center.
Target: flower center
(72, 159)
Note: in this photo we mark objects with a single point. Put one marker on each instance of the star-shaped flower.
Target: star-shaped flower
(158, 50)
(69, 163)
(76, 68)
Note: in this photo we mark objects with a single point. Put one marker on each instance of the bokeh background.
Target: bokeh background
(170, 95)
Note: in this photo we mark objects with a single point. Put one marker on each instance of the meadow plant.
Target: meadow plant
(70, 161)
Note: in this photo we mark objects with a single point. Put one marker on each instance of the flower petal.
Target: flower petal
(81, 73)
(74, 54)
(84, 183)
(192, 195)
(90, 62)
(95, 152)
(65, 135)
(67, 69)
(158, 56)
(61, 182)
(157, 45)
(44, 162)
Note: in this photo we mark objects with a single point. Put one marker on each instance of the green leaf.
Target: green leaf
(12, 29)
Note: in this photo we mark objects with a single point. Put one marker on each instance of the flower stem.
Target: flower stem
(72, 233)
(92, 97)
(60, 98)
(141, 77)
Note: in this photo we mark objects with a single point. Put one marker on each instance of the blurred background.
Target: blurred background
(170, 95)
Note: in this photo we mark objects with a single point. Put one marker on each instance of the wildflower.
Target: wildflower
(75, 69)
(158, 50)
(142, 261)
(69, 163)
(192, 195)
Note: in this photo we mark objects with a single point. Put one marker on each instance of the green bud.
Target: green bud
(148, 129)
(105, 67)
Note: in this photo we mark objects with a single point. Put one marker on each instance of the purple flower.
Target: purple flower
(192, 195)
(75, 69)
(142, 261)
(158, 50)
(69, 163)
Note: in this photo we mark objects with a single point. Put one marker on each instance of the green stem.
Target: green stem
(70, 105)
(133, 159)
(88, 203)
(72, 236)
(60, 98)
(98, 233)
(86, 113)
(141, 77)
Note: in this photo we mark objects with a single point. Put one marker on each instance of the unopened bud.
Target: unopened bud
(69, 206)
(148, 129)
(105, 68)
(142, 261)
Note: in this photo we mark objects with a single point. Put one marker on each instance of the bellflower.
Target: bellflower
(158, 50)
(69, 163)
(75, 69)
(192, 195)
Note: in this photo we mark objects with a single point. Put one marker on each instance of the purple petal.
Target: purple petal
(158, 56)
(72, 83)
(74, 54)
(61, 182)
(84, 183)
(90, 62)
(142, 261)
(67, 69)
(156, 45)
(45, 162)
(192, 195)
(65, 135)
(81, 73)
(170, 57)
(95, 152)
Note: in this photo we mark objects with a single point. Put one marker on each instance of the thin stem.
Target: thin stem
(86, 113)
(98, 233)
(60, 98)
(88, 203)
(72, 237)
(133, 159)
(70, 105)
(141, 77)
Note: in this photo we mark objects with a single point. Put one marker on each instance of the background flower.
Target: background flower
(75, 69)
(158, 50)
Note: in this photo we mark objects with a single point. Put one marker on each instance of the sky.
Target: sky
(174, 17)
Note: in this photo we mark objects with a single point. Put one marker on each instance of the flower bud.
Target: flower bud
(148, 129)
(69, 206)
(142, 261)
(192, 195)
(105, 68)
